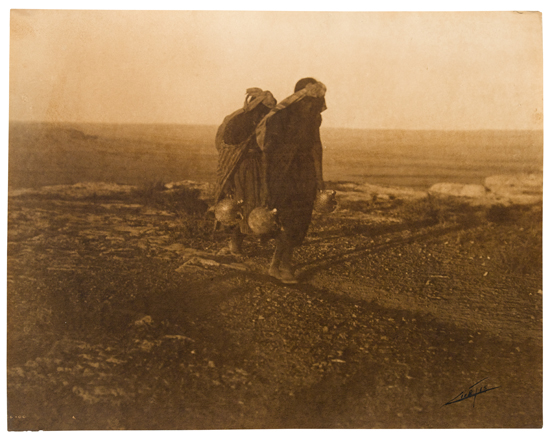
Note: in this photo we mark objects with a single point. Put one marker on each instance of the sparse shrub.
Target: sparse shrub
(357, 206)
(355, 229)
(516, 247)
(525, 215)
(340, 185)
(149, 193)
(181, 199)
(499, 213)
(187, 200)
(434, 210)
(423, 210)
(149, 189)
(524, 256)
(194, 227)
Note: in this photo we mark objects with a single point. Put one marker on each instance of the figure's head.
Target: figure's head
(301, 84)
(308, 106)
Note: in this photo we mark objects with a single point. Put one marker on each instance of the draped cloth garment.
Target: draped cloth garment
(239, 171)
(292, 155)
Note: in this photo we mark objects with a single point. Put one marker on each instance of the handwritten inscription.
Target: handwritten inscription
(471, 393)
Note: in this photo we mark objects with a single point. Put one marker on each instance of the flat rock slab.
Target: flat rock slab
(199, 262)
(507, 190)
(518, 184)
(459, 189)
(206, 189)
(77, 190)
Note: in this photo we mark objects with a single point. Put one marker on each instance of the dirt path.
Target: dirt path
(125, 316)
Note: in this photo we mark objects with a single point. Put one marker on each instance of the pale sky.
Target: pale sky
(393, 70)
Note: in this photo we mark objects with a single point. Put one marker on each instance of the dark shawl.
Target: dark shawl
(231, 152)
(279, 151)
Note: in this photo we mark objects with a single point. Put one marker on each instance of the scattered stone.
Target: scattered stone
(115, 238)
(180, 337)
(157, 212)
(175, 247)
(206, 189)
(146, 345)
(193, 252)
(121, 206)
(194, 261)
(238, 266)
(530, 184)
(78, 190)
(114, 360)
(459, 189)
(223, 252)
(186, 268)
(146, 320)
(383, 197)
(134, 231)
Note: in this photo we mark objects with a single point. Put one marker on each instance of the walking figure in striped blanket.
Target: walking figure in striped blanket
(239, 172)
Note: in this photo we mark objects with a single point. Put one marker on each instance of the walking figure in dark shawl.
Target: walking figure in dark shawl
(240, 159)
(289, 137)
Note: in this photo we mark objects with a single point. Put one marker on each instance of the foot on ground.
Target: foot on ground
(283, 275)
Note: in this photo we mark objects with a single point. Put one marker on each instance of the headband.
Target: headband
(316, 90)
(255, 96)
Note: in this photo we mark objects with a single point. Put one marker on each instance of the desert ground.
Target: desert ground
(126, 311)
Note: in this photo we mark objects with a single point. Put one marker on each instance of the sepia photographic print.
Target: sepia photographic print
(274, 220)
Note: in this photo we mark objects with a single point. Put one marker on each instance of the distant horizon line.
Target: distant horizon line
(216, 125)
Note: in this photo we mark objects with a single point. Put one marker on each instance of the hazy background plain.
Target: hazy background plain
(383, 70)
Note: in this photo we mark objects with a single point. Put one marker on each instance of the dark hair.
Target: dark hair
(303, 82)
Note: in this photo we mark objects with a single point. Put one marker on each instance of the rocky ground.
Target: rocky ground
(125, 311)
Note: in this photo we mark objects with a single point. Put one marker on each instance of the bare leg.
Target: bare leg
(236, 243)
(281, 265)
(277, 255)
(286, 268)
(286, 260)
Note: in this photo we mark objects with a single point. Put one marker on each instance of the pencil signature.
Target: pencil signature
(471, 393)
